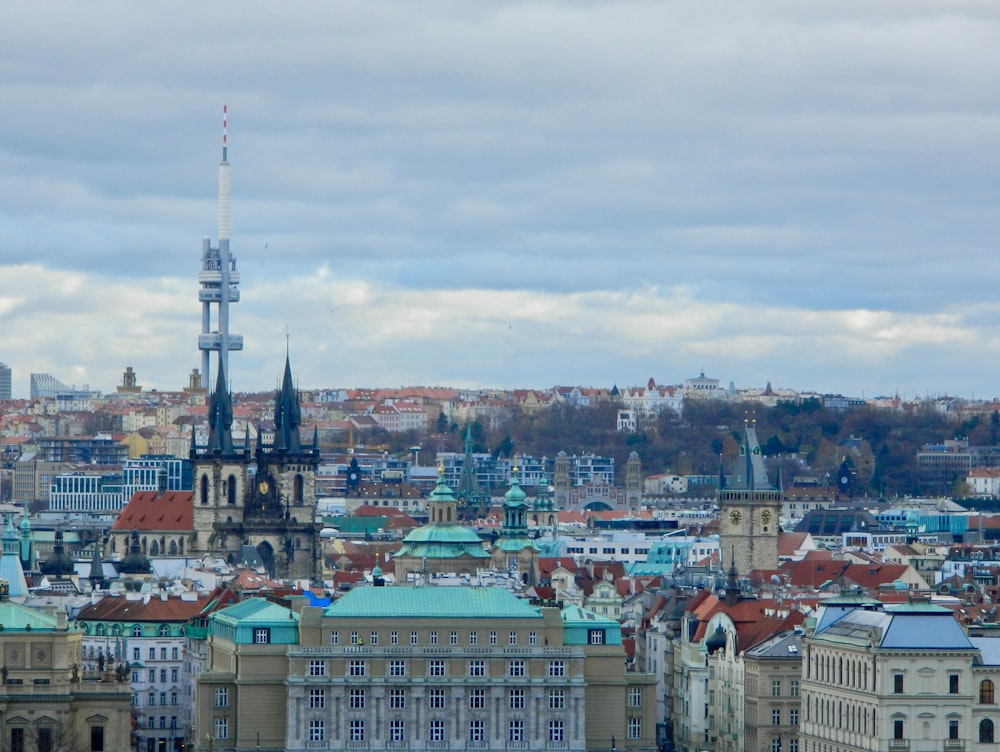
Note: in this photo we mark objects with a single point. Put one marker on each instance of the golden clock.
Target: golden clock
(735, 517)
(263, 487)
(765, 517)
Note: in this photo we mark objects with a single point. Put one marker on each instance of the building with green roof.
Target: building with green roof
(515, 550)
(443, 545)
(47, 701)
(422, 668)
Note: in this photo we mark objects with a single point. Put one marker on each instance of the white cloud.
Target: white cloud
(511, 192)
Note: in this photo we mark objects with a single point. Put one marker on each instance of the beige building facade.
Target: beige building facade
(47, 701)
(435, 668)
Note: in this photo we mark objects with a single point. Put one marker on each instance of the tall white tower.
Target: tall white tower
(219, 280)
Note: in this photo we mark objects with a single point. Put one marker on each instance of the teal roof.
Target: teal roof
(443, 533)
(516, 544)
(17, 618)
(256, 611)
(574, 616)
(242, 621)
(442, 551)
(348, 524)
(431, 602)
(579, 622)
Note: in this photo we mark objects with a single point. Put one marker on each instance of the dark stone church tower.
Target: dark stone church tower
(272, 509)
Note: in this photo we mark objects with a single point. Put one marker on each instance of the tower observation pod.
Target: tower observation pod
(219, 281)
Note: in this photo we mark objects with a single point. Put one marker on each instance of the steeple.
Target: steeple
(543, 499)
(441, 503)
(220, 417)
(515, 522)
(10, 562)
(96, 576)
(287, 414)
(27, 552)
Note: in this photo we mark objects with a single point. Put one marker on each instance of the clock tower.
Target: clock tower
(749, 506)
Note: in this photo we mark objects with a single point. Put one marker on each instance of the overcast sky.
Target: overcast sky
(508, 193)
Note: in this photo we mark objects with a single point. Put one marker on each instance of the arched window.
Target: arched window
(204, 489)
(987, 695)
(154, 549)
(986, 731)
(137, 631)
(231, 490)
(298, 489)
(100, 630)
(173, 548)
(163, 631)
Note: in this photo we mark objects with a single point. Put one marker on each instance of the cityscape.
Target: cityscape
(570, 377)
(202, 569)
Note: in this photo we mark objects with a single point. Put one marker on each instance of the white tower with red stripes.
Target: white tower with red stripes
(219, 281)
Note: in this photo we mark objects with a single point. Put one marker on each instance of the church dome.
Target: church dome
(59, 564)
(135, 562)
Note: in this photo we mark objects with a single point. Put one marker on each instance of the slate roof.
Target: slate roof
(910, 626)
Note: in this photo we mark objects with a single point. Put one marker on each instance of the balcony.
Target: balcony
(954, 745)
(899, 745)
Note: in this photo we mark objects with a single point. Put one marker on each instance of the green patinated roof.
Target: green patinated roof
(578, 623)
(431, 602)
(360, 524)
(436, 550)
(15, 617)
(574, 616)
(513, 545)
(255, 611)
(443, 533)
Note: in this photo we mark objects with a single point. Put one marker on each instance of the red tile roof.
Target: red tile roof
(116, 608)
(149, 510)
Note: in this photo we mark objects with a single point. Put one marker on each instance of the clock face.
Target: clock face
(735, 517)
(765, 517)
(353, 476)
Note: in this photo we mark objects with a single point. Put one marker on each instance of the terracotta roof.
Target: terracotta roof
(114, 608)
(789, 543)
(250, 581)
(148, 510)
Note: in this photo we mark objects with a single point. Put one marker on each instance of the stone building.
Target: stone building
(749, 507)
(273, 509)
(47, 701)
(443, 668)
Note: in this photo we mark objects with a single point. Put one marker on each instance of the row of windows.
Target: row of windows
(151, 698)
(116, 630)
(44, 739)
(793, 717)
(162, 722)
(358, 729)
(433, 638)
(436, 667)
(793, 688)
(357, 699)
(151, 675)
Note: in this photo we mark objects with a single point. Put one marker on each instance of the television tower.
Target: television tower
(219, 280)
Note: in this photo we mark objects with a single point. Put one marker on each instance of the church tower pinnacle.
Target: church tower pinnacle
(749, 506)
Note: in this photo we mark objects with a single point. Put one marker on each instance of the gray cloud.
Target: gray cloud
(508, 193)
